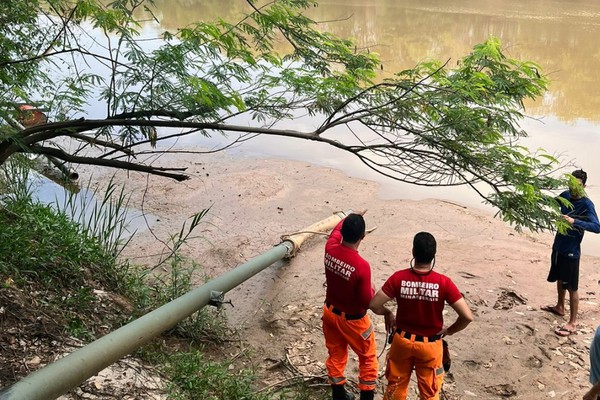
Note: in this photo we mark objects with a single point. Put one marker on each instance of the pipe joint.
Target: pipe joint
(290, 248)
(216, 299)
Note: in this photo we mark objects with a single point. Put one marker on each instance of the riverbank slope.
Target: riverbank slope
(510, 351)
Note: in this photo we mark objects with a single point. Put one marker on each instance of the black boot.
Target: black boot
(446, 360)
(367, 394)
(339, 393)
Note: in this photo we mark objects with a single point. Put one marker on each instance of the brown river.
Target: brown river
(559, 35)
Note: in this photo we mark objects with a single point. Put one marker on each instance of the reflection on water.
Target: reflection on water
(560, 36)
(49, 192)
(544, 135)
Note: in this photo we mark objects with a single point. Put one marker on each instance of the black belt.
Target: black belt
(418, 338)
(339, 312)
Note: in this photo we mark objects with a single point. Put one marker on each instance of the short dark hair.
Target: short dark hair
(580, 174)
(353, 228)
(424, 247)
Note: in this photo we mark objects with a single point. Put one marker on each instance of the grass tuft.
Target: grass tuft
(61, 276)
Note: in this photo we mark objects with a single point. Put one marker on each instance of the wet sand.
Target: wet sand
(510, 351)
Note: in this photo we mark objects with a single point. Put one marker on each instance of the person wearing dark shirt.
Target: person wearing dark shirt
(345, 320)
(418, 325)
(566, 250)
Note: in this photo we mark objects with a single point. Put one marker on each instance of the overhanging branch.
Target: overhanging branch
(61, 155)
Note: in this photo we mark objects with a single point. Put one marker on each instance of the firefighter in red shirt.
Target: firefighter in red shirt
(421, 294)
(345, 319)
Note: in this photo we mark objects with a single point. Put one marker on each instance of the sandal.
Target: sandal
(563, 331)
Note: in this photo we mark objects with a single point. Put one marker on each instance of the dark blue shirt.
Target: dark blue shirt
(584, 214)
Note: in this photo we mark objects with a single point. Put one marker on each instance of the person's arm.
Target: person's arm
(335, 237)
(591, 223)
(377, 305)
(465, 317)
(593, 393)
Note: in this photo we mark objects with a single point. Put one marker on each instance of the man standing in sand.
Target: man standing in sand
(566, 250)
(421, 294)
(345, 319)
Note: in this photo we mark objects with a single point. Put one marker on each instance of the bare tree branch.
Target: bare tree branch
(61, 155)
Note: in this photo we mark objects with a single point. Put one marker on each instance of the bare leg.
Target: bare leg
(560, 303)
(574, 304)
(570, 327)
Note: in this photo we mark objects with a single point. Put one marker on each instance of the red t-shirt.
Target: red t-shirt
(420, 300)
(348, 276)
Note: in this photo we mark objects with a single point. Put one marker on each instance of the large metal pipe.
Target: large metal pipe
(57, 172)
(70, 174)
(69, 372)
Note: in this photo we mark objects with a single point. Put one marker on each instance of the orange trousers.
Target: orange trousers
(424, 357)
(358, 334)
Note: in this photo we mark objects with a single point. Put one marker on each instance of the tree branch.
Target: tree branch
(61, 155)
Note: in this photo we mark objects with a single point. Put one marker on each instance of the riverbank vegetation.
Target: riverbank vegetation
(104, 98)
(103, 89)
(62, 286)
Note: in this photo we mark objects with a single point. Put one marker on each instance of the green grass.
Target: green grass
(195, 377)
(207, 324)
(61, 264)
(41, 245)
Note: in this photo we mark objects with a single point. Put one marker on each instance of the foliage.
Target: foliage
(46, 253)
(45, 245)
(430, 125)
(206, 324)
(104, 220)
(195, 376)
(62, 264)
(38, 243)
(576, 188)
(179, 277)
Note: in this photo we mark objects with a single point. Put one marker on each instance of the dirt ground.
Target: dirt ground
(509, 351)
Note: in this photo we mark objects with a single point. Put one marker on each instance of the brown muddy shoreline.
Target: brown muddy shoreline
(510, 351)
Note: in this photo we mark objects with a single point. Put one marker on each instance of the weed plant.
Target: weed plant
(42, 244)
(207, 324)
(195, 377)
(104, 220)
(58, 261)
(66, 254)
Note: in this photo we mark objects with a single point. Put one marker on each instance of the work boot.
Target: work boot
(446, 360)
(367, 394)
(339, 393)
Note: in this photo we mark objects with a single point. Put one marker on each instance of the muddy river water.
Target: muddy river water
(561, 36)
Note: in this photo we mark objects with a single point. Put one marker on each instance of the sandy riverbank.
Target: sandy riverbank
(510, 351)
